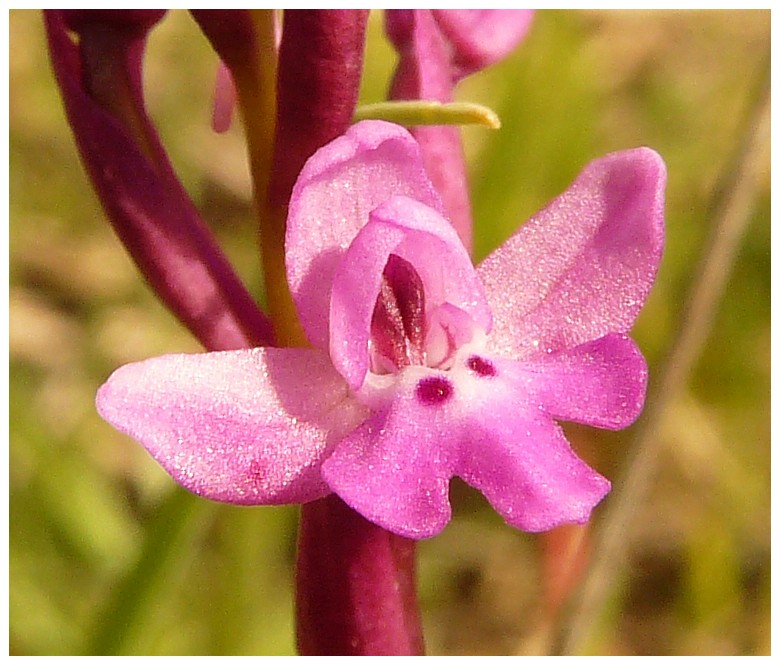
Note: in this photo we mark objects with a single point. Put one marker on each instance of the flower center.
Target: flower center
(398, 321)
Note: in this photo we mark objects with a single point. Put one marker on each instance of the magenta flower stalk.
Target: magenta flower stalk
(437, 49)
(355, 582)
(421, 366)
(100, 81)
(320, 65)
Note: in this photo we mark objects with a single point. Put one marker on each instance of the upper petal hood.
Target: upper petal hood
(421, 236)
(582, 267)
(331, 201)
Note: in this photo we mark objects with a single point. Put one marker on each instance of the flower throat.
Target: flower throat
(398, 322)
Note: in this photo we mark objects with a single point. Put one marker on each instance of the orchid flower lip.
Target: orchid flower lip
(424, 367)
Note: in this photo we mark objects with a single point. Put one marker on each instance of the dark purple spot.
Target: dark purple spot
(481, 366)
(434, 390)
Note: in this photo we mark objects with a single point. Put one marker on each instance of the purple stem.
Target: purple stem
(356, 591)
(100, 82)
(355, 582)
(437, 48)
(320, 65)
(424, 72)
(230, 32)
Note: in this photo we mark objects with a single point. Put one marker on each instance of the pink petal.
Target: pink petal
(600, 383)
(516, 455)
(582, 267)
(481, 421)
(421, 236)
(481, 37)
(526, 469)
(331, 201)
(395, 468)
(245, 427)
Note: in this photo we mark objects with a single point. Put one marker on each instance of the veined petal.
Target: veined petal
(600, 383)
(331, 201)
(246, 427)
(582, 267)
(421, 236)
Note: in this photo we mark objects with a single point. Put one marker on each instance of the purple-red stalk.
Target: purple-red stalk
(320, 65)
(437, 48)
(356, 592)
(100, 81)
(424, 73)
(355, 582)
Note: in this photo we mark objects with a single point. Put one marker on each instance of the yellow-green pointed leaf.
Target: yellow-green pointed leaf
(425, 112)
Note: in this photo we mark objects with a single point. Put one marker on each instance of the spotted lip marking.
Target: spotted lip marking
(481, 366)
(434, 390)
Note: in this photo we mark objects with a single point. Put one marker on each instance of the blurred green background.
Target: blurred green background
(106, 556)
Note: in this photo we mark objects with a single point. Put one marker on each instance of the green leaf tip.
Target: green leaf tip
(425, 112)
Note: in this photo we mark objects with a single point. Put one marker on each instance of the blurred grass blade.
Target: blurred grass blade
(168, 541)
(732, 206)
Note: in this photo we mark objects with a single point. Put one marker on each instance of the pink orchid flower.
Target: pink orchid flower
(422, 366)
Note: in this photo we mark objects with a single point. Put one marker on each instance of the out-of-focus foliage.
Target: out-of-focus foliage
(106, 556)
